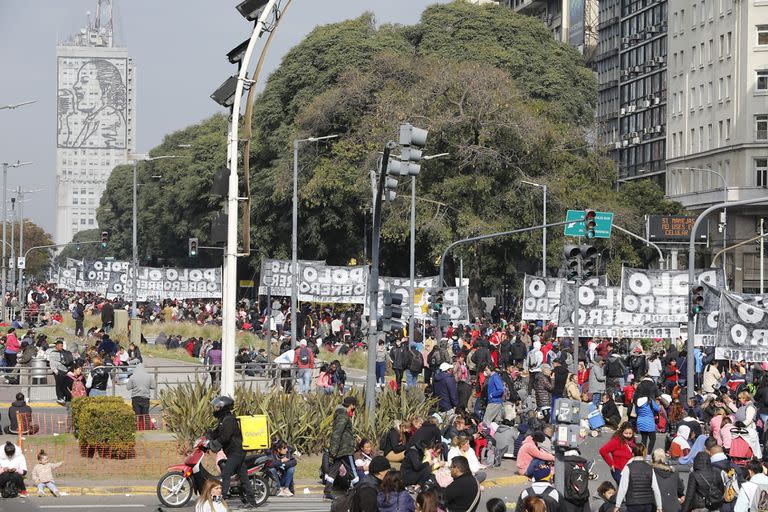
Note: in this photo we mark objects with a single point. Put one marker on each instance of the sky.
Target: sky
(179, 49)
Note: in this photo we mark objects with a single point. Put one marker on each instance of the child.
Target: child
(42, 474)
(607, 492)
(283, 467)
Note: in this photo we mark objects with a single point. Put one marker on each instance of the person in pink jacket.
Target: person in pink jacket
(530, 450)
(12, 347)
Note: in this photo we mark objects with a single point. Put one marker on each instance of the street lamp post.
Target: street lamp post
(295, 237)
(135, 321)
(725, 196)
(544, 222)
(6, 165)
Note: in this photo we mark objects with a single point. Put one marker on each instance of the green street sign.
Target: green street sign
(575, 226)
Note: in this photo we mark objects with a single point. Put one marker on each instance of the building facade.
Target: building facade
(632, 85)
(718, 120)
(96, 121)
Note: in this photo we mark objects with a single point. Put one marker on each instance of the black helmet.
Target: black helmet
(221, 405)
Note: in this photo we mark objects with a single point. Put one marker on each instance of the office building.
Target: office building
(96, 120)
(718, 121)
(632, 89)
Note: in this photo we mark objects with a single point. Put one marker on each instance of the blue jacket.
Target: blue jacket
(495, 389)
(645, 419)
(698, 360)
(444, 388)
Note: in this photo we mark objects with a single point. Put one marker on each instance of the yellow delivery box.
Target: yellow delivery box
(255, 432)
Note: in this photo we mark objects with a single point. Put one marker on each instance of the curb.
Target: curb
(137, 490)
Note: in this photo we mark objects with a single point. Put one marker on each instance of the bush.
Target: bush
(79, 402)
(107, 424)
(304, 421)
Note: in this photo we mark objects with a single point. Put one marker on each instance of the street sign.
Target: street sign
(575, 226)
(21, 262)
(674, 228)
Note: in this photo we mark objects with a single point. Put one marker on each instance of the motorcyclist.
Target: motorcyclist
(228, 437)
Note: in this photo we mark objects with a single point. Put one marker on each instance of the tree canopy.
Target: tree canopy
(497, 93)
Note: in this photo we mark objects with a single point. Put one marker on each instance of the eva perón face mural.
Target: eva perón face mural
(92, 103)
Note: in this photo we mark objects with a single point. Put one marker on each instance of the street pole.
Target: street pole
(543, 221)
(229, 281)
(295, 238)
(4, 273)
(762, 257)
(412, 292)
(135, 329)
(373, 289)
(13, 254)
(22, 295)
(691, 371)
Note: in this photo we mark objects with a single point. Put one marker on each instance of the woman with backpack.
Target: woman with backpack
(670, 484)
(757, 479)
(705, 486)
(76, 384)
(638, 488)
(646, 409)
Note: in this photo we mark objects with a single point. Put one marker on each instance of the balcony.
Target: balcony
(529, 7)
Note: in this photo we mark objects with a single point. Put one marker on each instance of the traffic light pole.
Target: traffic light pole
(373, 289)
(441, 280)
(691, 370)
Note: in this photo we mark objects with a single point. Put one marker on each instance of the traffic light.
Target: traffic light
(588, 261)
(590, 223)
(104, 239)
(572, 254)
(393, 310)
(390, 188)
(697, 299)
(192, 247)
(411, 138)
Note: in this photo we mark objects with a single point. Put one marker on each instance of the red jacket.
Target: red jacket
(617, 452)
(296, 361)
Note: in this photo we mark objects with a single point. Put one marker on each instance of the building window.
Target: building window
(693, 56)
(728, 44)
(728, 87)
(762, 80)
(709, 93)
(721, 48)
(762, 35)
(719, 133)
(761, 127)
(727, 129)
(720, 87)
(761, 172)
(691, 141)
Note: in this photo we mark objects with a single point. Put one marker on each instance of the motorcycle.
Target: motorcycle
(176, 488)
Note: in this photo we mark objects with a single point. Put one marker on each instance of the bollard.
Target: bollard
(39, 371)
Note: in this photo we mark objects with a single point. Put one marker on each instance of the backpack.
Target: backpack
(731, 486)
(9, 490)
(550, 497)
(67, 360)
(489, 456)
(433, 359)
(78, 388)
(304, 355)
(576, 481)
(417, 363)
(76, 314)
(713, 498)
(760, 499)
(349, 502)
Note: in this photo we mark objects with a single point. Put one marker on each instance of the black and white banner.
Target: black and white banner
(541, 297)
(661, 296)
(166, 283)
(277, 275)
(599, 315)
(95, 274)
(325, 283)
(742, 329)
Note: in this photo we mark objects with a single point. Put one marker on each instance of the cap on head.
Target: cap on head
(444, 367)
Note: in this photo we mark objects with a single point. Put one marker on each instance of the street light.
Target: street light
(295, 237)
(135, 322)
(543, 231)
(6, 165)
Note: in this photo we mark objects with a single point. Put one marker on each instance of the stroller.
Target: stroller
(741, 450)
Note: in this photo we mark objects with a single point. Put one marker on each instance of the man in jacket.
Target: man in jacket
(495, 390)
(304, 359)
(107, 316)
(542, 387)
(141, 384)
(444, 388)
(463, 494)
(369, 486)
(57, 359)
(560, 372)
(518, 351)
(482, 357)
(533, 363)
(597, 381)
(399, 357)
(19, 407)
(342, 447)
(415, 365)
(703, 480)
(228, 438)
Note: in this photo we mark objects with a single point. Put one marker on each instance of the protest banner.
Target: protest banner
(662, 295)
(276, 274)
(541, 297)
(742, 329)
(154, 284)
(599, 315)
(331, 284)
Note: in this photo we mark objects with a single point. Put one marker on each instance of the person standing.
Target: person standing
(560, 378)
(646, 409)
(78, 315)
(107, 316)
(399, 357)
(60, 360)
(415, 366)
(495, 392)
(670, 485)
(638, 488)
(444, 388)
(342, 448)
(597, 381)
(617, 452)
(381, 362)
(305, 360)
(141, 384)
(756, 478)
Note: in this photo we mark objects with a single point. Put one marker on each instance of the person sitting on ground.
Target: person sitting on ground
(363, 456)
(283, 467)
(13, 469)
(392, 496)
(324, 380)
(530, 451)
(415, 470)
(20, 406)
(498, 505)
(680, 446)
(461, 447)
(610, 412)
(463, 495)
(42, 474)
(394, 442)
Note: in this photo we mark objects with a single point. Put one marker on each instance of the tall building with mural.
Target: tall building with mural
(95, 119)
